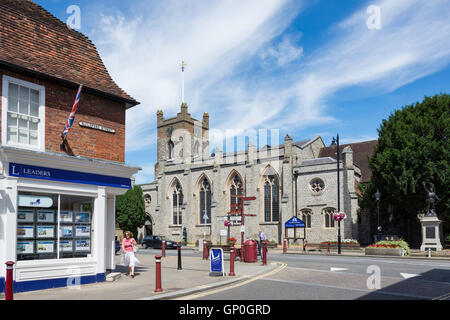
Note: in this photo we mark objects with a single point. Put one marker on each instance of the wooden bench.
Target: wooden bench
(312, 246)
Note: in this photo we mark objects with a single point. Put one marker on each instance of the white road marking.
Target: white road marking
(408, 275)
(337, 269)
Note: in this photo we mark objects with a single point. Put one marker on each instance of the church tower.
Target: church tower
(182, 139)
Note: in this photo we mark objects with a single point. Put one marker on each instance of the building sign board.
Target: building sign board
(96, 126)
(35, 172)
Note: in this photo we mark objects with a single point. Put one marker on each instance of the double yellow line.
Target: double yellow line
(206, 293)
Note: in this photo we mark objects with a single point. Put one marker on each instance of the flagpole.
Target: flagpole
(183, 65)
(71, 118)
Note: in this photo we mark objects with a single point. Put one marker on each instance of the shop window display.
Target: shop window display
(46, 222)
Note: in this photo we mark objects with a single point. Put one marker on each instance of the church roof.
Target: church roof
(361, 152)
(311, 162)
(35, 41)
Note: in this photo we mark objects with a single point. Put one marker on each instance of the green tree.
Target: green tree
(130, 210)
(413, 147)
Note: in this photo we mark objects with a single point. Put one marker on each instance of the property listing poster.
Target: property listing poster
(45, 246)
(66, 216)
(25, 247)
(25, 231)
(83, 245)
(25, 216)
(46, 216)
(66, 245)
(45, 231)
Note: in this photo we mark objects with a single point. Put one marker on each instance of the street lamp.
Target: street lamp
(377, 197)
(336, 142)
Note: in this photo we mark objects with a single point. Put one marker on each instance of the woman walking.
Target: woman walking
(129, 258)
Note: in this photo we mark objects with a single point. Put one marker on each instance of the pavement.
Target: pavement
(193, 278)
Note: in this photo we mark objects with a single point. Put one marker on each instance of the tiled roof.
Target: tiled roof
(361, 152)
(33, 39)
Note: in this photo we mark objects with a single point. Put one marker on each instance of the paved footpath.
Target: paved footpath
(194, 277)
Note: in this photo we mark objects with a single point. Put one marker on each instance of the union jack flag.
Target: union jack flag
(71, 118)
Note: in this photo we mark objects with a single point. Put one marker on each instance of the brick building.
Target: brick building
(57, 205)
(192, 191)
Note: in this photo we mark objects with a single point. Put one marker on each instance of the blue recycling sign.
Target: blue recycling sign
(294, 222)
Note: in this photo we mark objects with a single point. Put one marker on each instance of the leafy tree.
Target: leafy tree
(413, 147)
(130, 210)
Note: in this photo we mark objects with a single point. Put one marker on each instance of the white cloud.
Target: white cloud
(285, 52)
(220, 39)
(143, 53)
(412, 43)
(146, 174)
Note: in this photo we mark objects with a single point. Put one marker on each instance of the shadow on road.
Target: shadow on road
(433, 284)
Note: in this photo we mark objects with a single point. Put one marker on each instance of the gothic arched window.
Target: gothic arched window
(236, 188)
(171, 149)
(306, 215)
(328, 217)
(271, 198)
(205, 201)
(177, 202)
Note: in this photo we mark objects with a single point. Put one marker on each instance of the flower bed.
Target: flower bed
(390, 248)
(383, 251)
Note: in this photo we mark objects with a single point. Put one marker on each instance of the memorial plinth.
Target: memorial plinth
(430, 233)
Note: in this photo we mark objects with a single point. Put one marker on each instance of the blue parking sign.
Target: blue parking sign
(216, 262)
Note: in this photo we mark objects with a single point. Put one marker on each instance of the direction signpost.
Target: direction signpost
(238, 209)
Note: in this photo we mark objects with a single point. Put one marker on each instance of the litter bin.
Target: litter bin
(250, 254)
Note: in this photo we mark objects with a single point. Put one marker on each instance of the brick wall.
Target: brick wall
(92, 109)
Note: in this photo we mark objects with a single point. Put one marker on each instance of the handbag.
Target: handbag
(135, 248)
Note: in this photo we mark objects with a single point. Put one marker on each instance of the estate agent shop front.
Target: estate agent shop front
(57, 217)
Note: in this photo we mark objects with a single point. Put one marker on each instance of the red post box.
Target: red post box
(251, 251)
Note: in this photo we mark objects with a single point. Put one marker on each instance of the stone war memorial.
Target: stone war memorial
(431, 225)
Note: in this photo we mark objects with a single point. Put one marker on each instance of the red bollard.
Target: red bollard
(264, 249)
(284, 245)
(158, 287)
(205, 251)
(232, 257)
(163, 248)
(9, 281)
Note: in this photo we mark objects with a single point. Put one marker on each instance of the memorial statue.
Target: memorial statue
(432, 200)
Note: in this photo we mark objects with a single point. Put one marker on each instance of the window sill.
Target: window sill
(24, 146)
(175, 226)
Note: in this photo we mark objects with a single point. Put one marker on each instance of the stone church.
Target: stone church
(194, 189)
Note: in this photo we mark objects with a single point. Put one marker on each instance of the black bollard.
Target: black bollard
(179, 258)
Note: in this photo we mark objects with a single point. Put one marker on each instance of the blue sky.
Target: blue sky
(305, 68)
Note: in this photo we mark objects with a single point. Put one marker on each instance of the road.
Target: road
(318, 277)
